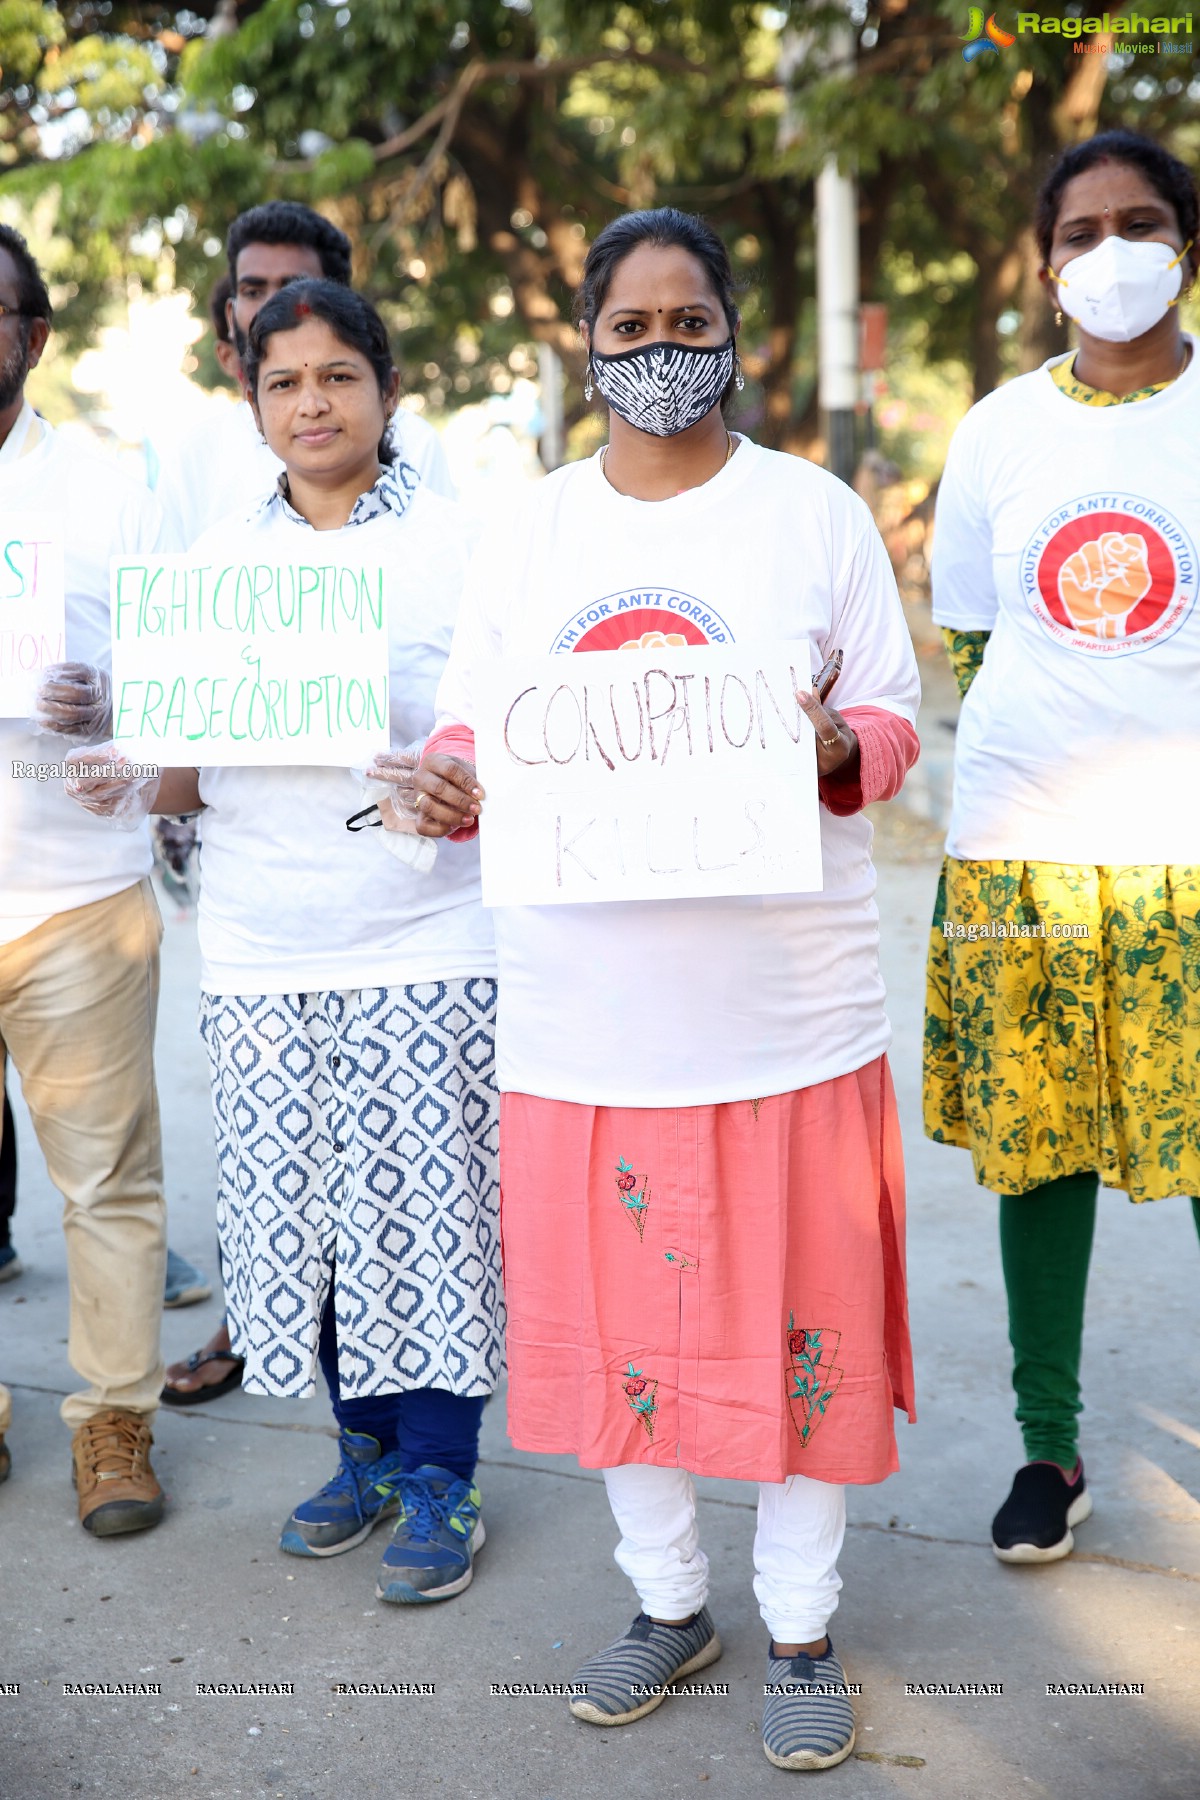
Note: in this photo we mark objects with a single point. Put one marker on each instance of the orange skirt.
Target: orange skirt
(716, 1288)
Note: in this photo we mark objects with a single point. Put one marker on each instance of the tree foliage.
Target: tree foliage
(471, 149)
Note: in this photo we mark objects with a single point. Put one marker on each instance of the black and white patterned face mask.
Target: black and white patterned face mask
(663, 388)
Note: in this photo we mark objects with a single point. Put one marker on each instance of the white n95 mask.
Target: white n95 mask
(1121, 289)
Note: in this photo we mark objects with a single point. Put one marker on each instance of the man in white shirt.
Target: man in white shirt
(223, 466)
(79, 940)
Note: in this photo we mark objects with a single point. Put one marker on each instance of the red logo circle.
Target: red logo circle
(630, 630)
(1107, 576)
(643, 619)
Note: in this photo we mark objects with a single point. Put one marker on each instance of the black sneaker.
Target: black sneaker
(1034, 1524)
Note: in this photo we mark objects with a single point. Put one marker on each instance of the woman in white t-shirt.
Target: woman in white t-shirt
(1062, 1041)
(701, 1169)
(347, 1004)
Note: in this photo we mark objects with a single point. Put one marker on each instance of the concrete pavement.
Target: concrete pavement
(207, 1597)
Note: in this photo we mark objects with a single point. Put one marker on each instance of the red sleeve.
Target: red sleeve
(887, 749)
(455, 740)
(452, 740)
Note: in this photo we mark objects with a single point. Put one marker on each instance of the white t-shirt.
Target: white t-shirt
(689, 1002)
(1070, 533)
(53, 855)
(222, 466)
(290, 901)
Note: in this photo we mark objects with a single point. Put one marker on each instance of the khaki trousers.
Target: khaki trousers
(78, 999)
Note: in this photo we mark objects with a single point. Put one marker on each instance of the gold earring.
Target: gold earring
(1057, 316)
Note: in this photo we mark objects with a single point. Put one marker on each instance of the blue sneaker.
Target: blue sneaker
(185, 1284)
(432, 1552)
(348, 1508)
(10, 1263)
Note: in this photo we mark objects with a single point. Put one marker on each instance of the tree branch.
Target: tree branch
(478, 70)
(450, 117)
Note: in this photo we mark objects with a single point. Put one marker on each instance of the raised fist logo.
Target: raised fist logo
(656, 640)
(1102, 582)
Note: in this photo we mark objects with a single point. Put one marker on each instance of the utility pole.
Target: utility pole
(552, 444)
(837, 315)
(838, 381)
(838, 384)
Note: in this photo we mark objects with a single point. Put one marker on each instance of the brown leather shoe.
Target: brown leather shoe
(117, 1488)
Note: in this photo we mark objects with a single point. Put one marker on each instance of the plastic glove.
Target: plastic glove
(75, 700)
(389, 783)
(396, 769)
(124, 800)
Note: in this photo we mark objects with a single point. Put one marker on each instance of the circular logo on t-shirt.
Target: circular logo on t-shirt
(643, 619)
(1110, 574)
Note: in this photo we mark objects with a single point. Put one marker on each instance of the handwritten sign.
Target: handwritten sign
(32, 610)
(247, 661)
(644, 775)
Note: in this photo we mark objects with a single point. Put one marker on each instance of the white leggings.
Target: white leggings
(801, 1524)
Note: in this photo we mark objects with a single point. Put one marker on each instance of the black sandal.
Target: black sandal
(177, 1397)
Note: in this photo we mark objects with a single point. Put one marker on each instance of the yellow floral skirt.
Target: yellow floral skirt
(1062, 1024)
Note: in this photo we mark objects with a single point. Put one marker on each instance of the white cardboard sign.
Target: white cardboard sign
(32, 610)
(646, 775)
(249, 660)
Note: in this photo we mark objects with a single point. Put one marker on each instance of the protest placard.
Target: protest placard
(642, 775)
(32, 610)
(249, 660)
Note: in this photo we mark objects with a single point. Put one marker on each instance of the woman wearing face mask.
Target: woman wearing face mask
(347, 1001)
(701, 1171)
(1068, 524)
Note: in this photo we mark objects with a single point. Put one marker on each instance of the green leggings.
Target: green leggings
(1045, 1246)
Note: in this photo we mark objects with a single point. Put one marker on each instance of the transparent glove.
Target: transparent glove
(393, 770)
(389, 784)
(75, 700)
(124, 800)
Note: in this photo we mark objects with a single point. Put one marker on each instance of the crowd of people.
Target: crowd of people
(680, 1110)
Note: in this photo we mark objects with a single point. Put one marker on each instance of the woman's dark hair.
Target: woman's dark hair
(352, 320)
(1169, 178)
(32, 296)
(665, 227)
